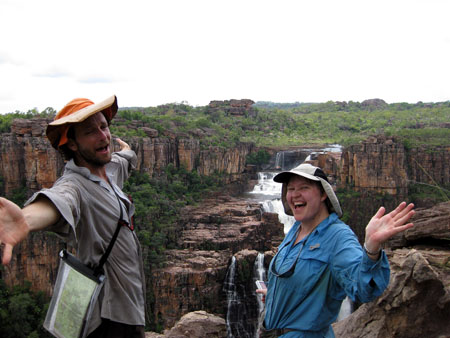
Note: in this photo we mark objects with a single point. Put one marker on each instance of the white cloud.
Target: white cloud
(155, 52)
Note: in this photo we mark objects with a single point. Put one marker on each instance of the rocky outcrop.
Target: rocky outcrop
(417, 300)
(228, 223)
(373, 104)
(198, 324)
(432, 228)
(233, 107)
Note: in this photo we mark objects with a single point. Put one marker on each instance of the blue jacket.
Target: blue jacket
(330, 266)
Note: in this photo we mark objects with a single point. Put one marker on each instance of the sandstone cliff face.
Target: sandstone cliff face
(376, 164)
(381, 171)
(27, 158)
(381, 164)
(35, 260)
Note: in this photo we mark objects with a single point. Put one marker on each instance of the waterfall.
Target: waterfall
(268, 192)
(237, 318)
(279, 160)
(259, 273)
(276, 206)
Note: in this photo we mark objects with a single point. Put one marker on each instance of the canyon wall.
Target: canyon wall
(28, 160)
(384, 165)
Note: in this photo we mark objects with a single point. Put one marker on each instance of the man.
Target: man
(82, 207)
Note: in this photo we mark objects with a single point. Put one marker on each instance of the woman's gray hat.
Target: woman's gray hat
(312, 173)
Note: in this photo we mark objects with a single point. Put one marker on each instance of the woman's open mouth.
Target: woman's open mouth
(299, 205)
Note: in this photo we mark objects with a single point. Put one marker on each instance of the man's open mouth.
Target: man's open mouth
(103, 149)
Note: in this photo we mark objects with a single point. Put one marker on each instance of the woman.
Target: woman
(320, 261)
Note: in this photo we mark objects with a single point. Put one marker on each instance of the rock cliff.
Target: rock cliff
(384, 165)
(209, 236)
(28, 160)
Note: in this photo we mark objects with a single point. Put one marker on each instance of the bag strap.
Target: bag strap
(98, 270)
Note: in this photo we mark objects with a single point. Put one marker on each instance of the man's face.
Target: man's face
(92, 140)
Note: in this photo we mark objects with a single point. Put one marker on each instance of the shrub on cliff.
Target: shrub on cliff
(258, 158)
(158, 202)
(22, 312)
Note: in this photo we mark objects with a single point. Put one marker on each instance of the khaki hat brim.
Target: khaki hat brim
(83, 114)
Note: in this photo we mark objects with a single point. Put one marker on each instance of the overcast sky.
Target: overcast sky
(155, 52)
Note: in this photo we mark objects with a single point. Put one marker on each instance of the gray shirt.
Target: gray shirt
(90, 212)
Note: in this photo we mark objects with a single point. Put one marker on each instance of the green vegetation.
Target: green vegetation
(428, 194)
(22, 312)
(259, 157)
(284, 125)
(158, 203)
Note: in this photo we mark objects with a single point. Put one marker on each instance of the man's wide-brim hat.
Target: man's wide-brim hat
(313, 173)
(77, 111)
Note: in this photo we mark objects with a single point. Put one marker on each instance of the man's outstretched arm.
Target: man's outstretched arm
(16, 223)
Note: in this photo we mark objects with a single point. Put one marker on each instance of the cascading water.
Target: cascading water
(268, 192)
(238, 323)
(259, 273)
(279, 160)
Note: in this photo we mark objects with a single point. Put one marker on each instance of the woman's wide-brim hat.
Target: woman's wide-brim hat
(77, 111)
(310, 172)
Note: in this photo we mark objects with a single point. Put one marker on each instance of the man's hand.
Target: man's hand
(13, 227)
(16, 223)
(123, 145)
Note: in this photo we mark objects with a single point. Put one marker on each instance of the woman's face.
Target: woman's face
(306, 200)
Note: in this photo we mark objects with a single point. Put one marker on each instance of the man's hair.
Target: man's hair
(64, 150)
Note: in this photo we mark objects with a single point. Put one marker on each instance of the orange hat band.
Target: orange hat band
(70, 108)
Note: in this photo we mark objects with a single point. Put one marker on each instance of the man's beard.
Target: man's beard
(92, 159)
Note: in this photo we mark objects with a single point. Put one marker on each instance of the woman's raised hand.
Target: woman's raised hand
(382, 227)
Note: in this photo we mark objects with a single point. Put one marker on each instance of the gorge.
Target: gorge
(188, 292)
